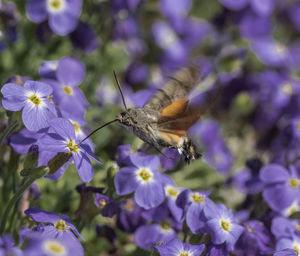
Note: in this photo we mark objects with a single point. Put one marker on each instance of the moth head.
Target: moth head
(124, 118)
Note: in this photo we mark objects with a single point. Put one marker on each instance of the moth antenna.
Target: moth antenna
(120, 89)
(99, 128)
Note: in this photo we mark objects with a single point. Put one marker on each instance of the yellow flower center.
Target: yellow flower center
(72, 146)
(297, 226)
(165, 225)
(294, 183)
(54, 248)
(250, 230)
(61, 225)
(185, 253)
(129, 206)
(144, 174)
(298, 126)
(172, 192)
(225, 225)
(102, 202)
(280, 49)
(287, 88)
(296, 248)
(197, 198)
(68, 90)
(56, 6)
(35, 99)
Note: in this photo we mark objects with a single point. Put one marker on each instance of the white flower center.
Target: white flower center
(56, 6)
(144, 175)
(171, 191)
(54, 248)
(225, 224)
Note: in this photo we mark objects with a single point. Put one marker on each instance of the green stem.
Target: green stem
(12, 202)
(9, 130)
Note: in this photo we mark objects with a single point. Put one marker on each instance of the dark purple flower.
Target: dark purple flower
(108, 206)
(175, 247)
(216, 249)
(294, 15)
(130, 216)
(255, 240)
(65, 140)
(175, 9)
(281, 186)
(62, 15)
(33, 100)
(85, 38)
(221, 226)
(142, 179)
(235, 5)
(194, 203)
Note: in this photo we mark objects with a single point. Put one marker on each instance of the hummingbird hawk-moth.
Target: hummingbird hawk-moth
(166, 117)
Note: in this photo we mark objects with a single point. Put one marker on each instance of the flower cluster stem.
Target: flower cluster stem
(12, 202)
(9, 130)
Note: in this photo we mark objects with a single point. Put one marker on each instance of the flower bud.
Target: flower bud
(32, 157)
(58, 161)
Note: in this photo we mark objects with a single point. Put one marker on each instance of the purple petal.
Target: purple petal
(70, 71)
(149, 195)
(151, 162)
(125, 181)
(36, 10)
(278, 197)
(233, 235)
(48, 69)
(63, 23)
(36, 117)
(41, 88)
(263, 8)
(42, 216)
(193, 218)
(147, 236)
(218, 236)
(89, 152)
(84, 167)
(281, 227)
(63, 127)
(14, 97)
(273, 173)
(54, 143)
(235, 5)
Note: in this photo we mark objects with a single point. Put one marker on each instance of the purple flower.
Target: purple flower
(221, 226)
(33, 99)
(289, 243)
(162, 228)
(7, 246)
(65, 140)
(286, 252)
(142, 179)
(175, 247)
(295, 15)
(48, 69)
(69, 74)
(235, 5)
(271, 52)
(108, 207)
(62, 15)
(175, 9)
(281, 186)
(52, 246)
(255, 240)
(284, 228)
(85, 38)
(130, 216)
(193, 203)
(56, 227)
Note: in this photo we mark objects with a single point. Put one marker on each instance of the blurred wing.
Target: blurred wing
(178, 87)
